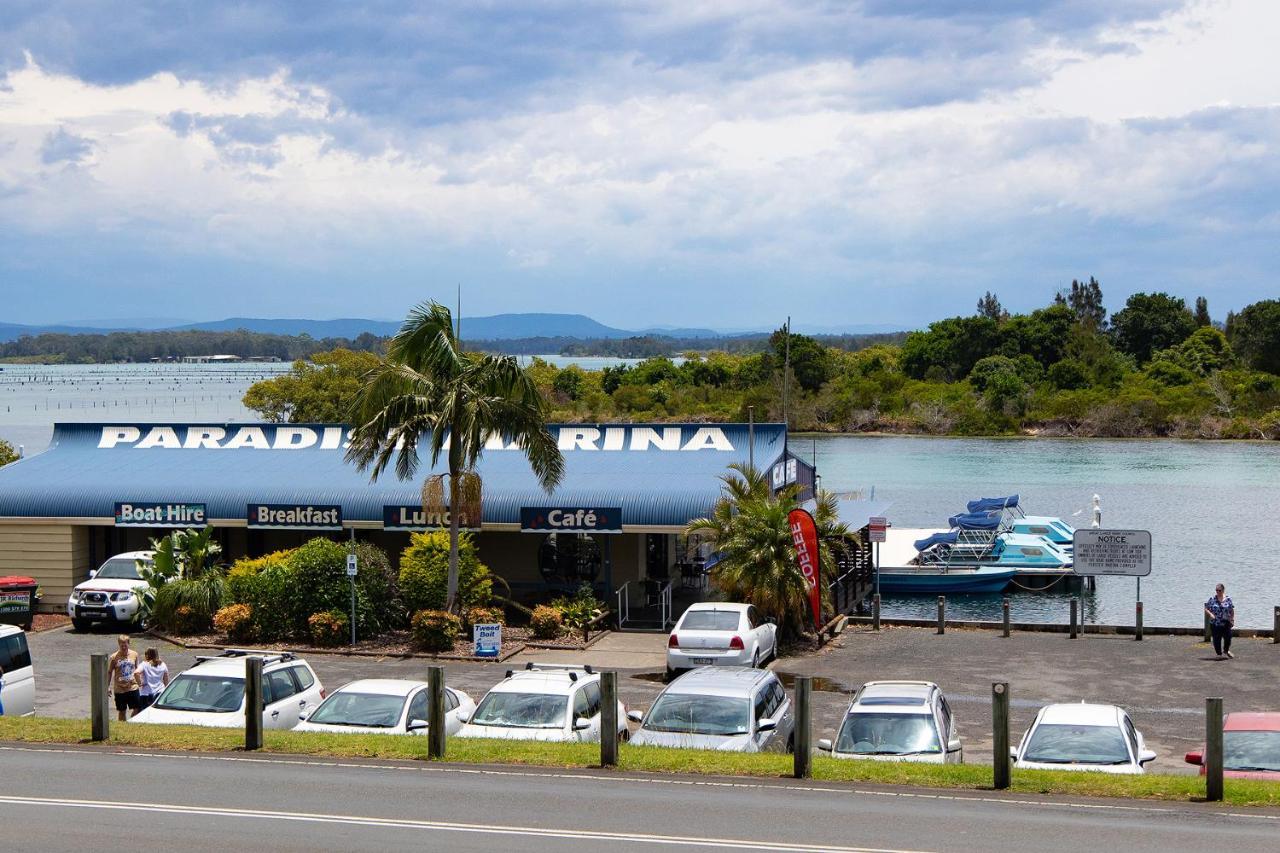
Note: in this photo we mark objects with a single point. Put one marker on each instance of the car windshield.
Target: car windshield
(119, 568)
(1059, 743)
(710, 620)
(522, 710)
(207, 693)
(1251, 750)
(690, 714)
(374, 710)
(888, 734)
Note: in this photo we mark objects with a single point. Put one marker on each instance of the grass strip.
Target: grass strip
(973, 777)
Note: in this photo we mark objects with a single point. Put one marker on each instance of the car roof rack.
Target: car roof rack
(267, 656)
(570, 669)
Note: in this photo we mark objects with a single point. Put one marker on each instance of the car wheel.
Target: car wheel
(625, 735)
(671, 674)
(755, 658)
(80, 624)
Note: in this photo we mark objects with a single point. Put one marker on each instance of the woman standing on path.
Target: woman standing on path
(1223, 615)
(154, 677)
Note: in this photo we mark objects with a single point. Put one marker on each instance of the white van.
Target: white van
(17, 678)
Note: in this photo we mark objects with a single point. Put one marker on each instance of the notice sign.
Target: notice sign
(487, 639)
(295, 516)
(151, 514)
(1112, 552)
(876, 527)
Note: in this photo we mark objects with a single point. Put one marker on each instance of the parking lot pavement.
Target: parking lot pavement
(1162, 681)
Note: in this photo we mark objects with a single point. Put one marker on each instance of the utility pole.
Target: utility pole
(786, 373)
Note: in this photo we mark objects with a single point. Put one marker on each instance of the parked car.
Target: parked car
(550, 702)
(721, 634)
(716, 707)
(111, 594)
(17, 676)
(211, 693)
(1083, 737)
(898, 721)
(1250, 747)
(384, 706)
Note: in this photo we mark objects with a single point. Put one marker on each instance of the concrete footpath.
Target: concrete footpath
(1162, 681)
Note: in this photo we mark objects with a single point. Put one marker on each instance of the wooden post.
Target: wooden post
(1213, 750)
(609, 719)
(1208, 629)
(99, 713)
(942, 614)
(1075, 617)
(803, 748)
(435, 712)
(1275, 628)
(1137, 622)
(252, 703)
(1004, 614)
(875, 613)
(1000, 735)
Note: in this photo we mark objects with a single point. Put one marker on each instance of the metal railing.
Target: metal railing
(664, 604)
(624, 603)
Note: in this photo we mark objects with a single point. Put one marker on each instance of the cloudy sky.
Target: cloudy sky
(718, 163)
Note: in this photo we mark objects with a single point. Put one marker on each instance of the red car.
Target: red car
(1250, 747)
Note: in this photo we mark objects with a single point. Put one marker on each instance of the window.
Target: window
(581, 706)
(945, 722)
(888, 734)
(753, 618)
(521, 710)
(418, 708)
(205, 693)
(1065, 743)
(14, 653)
(710, 620)
(1033, 552)
(762, 704)
(374, 710)
(450, 700)
(303, 677)
(281, 686)
(1132, 734)
(699, 715)
(593, 698)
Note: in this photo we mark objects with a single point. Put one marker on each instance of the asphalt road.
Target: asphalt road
(75, 799)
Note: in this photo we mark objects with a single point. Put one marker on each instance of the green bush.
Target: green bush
(435, 630)
(424, 573)
(377, 582)
(546, 623)
(577, 611)
(483, 616)
(330, 628)
(270, 597)
(236, 621)
(186, 606)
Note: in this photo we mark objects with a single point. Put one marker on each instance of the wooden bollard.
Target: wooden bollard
(802, 752)
(1004, 614)
(1137, 621)
(942, 614)
(435, 712)
(875, 613)
(1275, 628)
(1208, 629)
(252, 703)
(1000, 735)
(100, 715)
(609, 719)
(1213, 750)
(1075, 617)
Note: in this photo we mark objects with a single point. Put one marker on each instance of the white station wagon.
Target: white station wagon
(550, 702)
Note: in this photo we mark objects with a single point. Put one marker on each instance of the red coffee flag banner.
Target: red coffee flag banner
(804, 533)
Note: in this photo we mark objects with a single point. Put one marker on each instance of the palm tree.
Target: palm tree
(428, 390)
(750, 529)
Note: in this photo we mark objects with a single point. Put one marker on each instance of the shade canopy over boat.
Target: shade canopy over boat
(992, 504)
(948, 538)
(975, 520)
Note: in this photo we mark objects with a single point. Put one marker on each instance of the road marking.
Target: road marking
(445, 826)
(653, 780)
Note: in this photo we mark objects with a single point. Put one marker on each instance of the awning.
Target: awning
(857, 513)
(660, 475)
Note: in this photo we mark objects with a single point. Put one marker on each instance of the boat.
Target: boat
(934, 580)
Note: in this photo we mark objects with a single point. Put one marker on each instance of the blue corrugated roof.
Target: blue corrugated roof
(89, 467)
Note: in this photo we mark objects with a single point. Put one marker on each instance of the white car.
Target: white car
(17, 677)
(111, 594)
(549, 702)
(211, 693)
(384, 706)
(1083, 737)
(720, 634)
(898, 721)
(730, 709)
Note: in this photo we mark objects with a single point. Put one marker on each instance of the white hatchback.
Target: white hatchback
(17, 677)
(211, 693)
(1083, 737)
(548, 702)
(385, 706)
(112, 593)
(721, 634)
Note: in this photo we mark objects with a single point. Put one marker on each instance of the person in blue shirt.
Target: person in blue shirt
(1222, 615)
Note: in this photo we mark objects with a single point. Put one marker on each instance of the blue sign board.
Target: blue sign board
(557, 519)
(487, 639)
(155, 514)
(295, 516)
(416, 518)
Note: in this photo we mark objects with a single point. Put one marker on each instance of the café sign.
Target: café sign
(541, 519)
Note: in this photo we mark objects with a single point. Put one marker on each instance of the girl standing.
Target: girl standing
(154, 677)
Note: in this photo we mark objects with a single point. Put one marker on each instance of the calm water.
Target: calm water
(1211, 507)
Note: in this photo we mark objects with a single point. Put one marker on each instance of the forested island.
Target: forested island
(1157, 367)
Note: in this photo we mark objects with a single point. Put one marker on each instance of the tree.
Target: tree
(7, 453)
(318, 391)
(428, 389)
(1150, 322)
(953, 345)
(750, 529)
(989, 306)
(1085, 301)
(1255, 335)
(810, 360)
(1202, 313)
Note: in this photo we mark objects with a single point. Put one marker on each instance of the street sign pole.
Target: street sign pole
(352, 569)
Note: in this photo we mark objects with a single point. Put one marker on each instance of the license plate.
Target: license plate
(703, 661)
(92, 613)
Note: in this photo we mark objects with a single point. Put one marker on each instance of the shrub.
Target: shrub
(270, 597)
(435, 630)
(379, 585)
(186, 606)
(579, 610)
(424, 572)
(546, 623)
(330, 628)
(483, 616)
(243, 574)
(319, 575)
(236, 621)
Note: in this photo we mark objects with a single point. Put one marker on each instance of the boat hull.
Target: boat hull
(983, 580)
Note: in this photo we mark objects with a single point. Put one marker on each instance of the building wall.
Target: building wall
(56, 555)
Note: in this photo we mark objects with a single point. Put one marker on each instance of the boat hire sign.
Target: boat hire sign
(157, 514)
(415, 518)
(295, 516)
(804, 534)
(542, 519)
